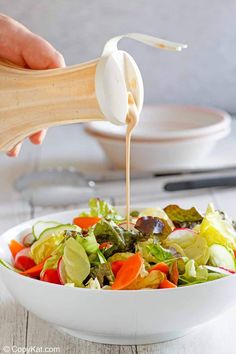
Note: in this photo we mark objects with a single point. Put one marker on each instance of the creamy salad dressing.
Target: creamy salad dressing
(131, 121)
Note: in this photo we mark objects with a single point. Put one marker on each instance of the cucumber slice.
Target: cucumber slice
(40, 226)
(8, 266)
(218, 270)
(58, 230)
(221, 257)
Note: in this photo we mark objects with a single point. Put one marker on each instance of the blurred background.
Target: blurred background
(204, 74)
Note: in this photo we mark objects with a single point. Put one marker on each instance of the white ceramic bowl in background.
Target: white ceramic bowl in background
(116, 317)
(168, 137)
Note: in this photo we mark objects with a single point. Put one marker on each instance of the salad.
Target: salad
(163, 248)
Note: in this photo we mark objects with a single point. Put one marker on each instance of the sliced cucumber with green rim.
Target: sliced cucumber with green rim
(8, 266)
(60, 229)
(41, 226)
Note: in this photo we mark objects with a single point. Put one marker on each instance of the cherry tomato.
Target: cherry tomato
(116, 265)
(51, 276)
(23, 259)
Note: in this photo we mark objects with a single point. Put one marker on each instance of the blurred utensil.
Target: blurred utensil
(201, 183)
(55, 187)
(62, 187)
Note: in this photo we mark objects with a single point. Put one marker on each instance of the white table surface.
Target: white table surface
(69, 146)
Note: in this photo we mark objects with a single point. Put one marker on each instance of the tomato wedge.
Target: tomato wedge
(23, 259)
(162, 266)
(51, 276)
(116, 265)
(105, 245)
(167, 284)
(34, 271)
(129, 271)
(86, 221)
(15, 247)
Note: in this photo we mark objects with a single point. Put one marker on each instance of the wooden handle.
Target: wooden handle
(34, 99)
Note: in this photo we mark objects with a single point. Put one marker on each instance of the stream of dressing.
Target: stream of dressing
(131, 121)
(133, 115)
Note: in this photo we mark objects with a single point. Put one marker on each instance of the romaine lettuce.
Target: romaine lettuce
(50, 239)
(190, 244)
(217, 230)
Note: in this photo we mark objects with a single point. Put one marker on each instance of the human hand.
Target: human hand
(28, 50)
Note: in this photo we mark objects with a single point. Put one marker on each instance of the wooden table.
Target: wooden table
(69, 146)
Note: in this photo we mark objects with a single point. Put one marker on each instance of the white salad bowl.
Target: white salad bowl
(116, 317)
(168, 137)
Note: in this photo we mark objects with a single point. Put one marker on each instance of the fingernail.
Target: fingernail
(15, 151)
(42, 136)
(37, 138)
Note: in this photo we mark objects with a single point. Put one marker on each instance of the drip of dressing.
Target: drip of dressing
(133, 112)
(131, 121)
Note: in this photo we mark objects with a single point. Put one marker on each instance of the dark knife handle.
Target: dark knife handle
(201, 183)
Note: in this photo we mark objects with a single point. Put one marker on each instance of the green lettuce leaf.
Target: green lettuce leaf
(110, 232)
(160, 253)
(198, 274)
(191, 245)
(215, 276)
(101, 257)
(143, 249)
(103, 273)
(51, 263)
(77, 265)
(153, 252)
(121, 239)
(217, 229)
(193, 274)
(89, 242)
(42, 249)
(97, 258)
(198, 251)
(102, 209)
